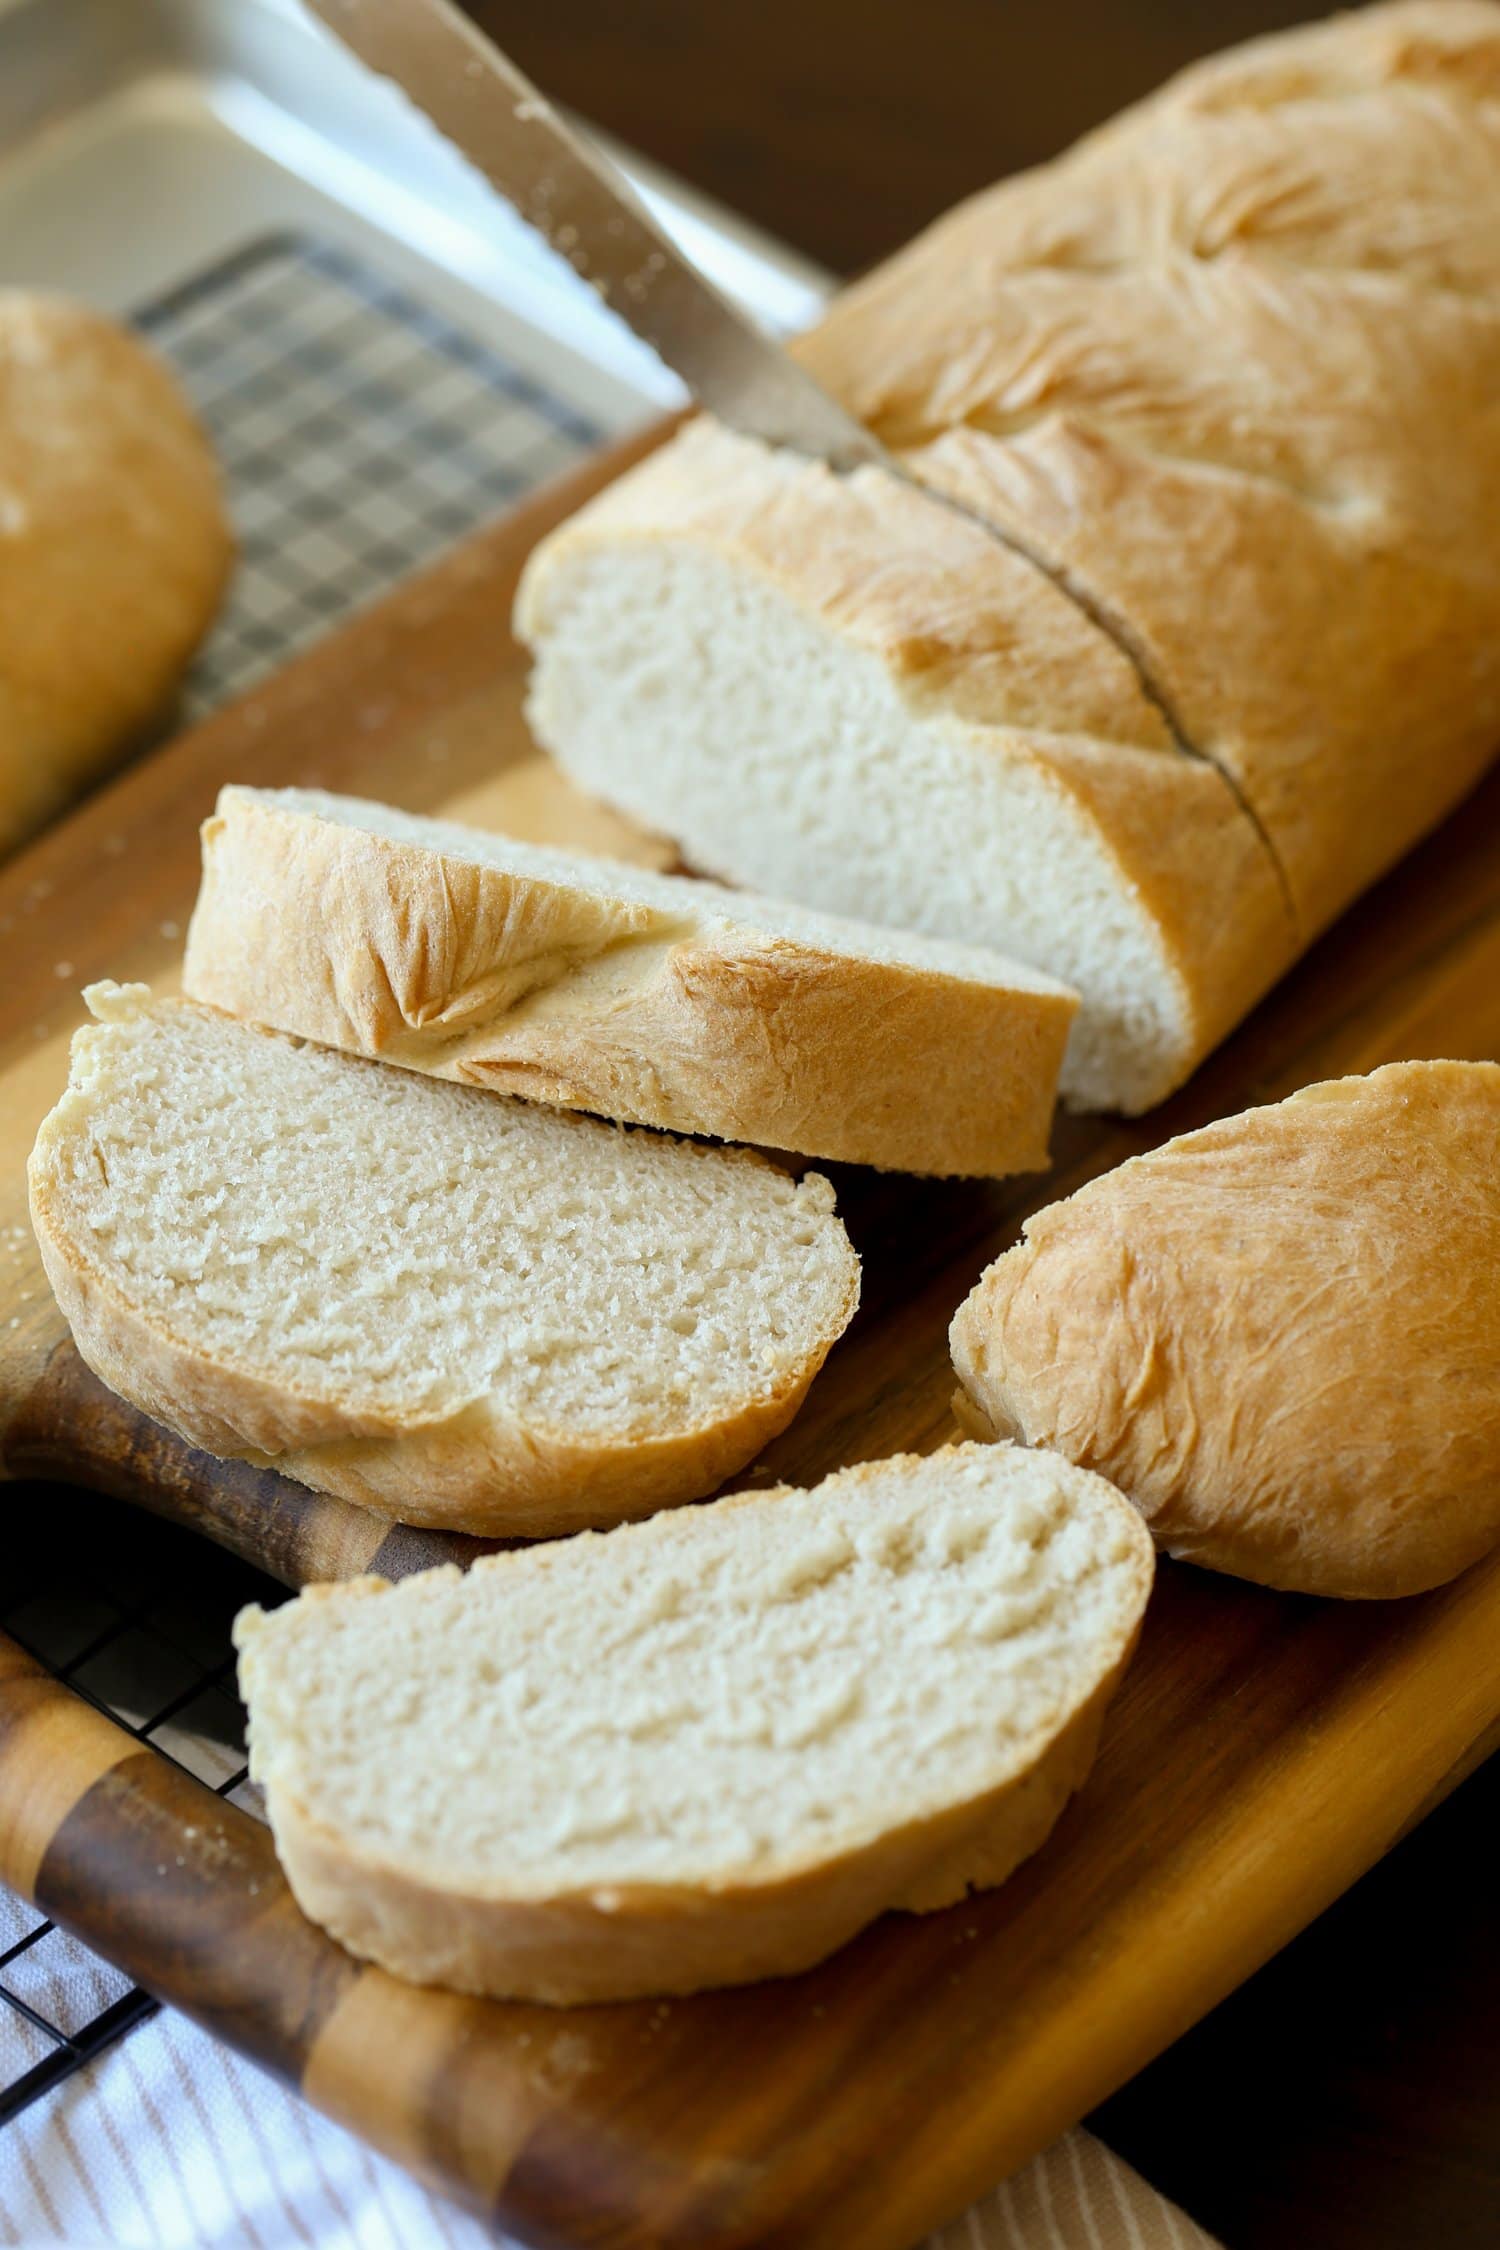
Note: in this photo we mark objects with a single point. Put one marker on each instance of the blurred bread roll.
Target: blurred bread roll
(114, 549)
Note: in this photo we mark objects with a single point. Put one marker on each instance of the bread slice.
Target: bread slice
(1279, 1336)
(703, 1749)
(649, 998)
(455, 1309)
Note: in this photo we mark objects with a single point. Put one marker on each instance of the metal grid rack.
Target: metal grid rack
(361, 433)
(141, 1630)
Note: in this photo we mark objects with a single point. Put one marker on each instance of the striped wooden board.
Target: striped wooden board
(1264, 1750)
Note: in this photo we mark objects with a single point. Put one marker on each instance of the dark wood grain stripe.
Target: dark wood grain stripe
(183, 1892)
(405, 1549)
(72, 1427)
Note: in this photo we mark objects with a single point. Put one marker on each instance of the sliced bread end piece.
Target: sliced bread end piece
(455, 1309)
(705, 1749)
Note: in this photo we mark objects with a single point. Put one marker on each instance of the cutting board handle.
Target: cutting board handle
(72, 1429)
(183, 1892)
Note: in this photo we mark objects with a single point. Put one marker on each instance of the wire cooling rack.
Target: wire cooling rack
(141, 1629)
(360, 433)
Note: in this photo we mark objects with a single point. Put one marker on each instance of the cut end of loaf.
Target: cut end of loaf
(705, 1748)
(453, 1307)
(698, 697)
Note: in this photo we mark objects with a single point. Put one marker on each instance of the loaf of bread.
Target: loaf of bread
(453, 1308)
(1222, 382)
(114, 549)
(1280, 1337)
(703, 1749)
(648, 998)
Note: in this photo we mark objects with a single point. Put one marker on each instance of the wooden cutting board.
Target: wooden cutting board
(1264, 1750)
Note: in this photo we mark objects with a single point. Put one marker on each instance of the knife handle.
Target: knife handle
(71, 1429)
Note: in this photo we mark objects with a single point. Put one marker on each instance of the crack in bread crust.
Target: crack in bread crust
(1107, 620)
(1205, 409)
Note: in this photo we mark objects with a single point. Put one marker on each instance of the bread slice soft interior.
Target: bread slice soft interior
(701, 697)
(650, 998)
(452, 1307)
(703, 1749)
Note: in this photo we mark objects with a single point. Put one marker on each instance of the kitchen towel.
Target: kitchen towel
(168, 2141)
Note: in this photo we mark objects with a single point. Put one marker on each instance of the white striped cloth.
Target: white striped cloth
(168, 2141)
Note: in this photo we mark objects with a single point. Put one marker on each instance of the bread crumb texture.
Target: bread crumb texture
(719, 1698)
(398, 1252)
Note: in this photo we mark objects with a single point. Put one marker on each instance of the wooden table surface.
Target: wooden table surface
(1348, 2098)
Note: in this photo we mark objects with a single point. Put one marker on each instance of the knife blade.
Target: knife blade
(589, 213)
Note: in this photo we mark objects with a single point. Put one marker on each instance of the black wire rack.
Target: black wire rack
(135, 1617)
(360, 433)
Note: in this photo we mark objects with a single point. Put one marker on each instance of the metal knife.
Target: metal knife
(585, 208)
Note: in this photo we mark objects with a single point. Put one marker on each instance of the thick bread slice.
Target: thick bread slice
(1226, 373)
(1279, 1336)
(704, 1749)
(456, 1309)
(649, 998)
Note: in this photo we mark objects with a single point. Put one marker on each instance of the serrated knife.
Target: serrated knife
(588, 211)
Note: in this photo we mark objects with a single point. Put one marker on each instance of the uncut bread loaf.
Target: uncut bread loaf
(114, 548)
(649, 998)
(1280, 1336)
(453, 1308)
(703, 1749)
(1221, 382)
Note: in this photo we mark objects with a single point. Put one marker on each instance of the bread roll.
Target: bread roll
(1280, 1337)
(114, 549)
(1224, 377)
